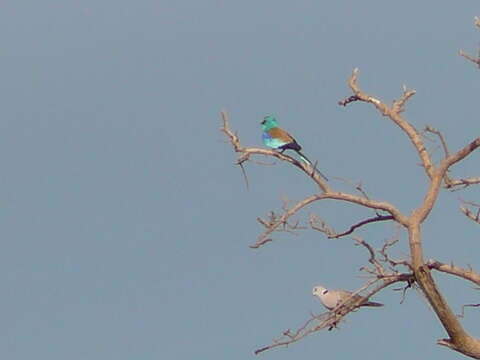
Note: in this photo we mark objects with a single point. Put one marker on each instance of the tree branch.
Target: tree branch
(395, 213)
(264, 237)
(432, 130)
(394, 114)
(362, 223)
(459, 155)
(470, 214)
(467, 274)
(475, 60)
(462, 182)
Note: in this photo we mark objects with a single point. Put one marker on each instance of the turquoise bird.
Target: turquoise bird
(277, 138)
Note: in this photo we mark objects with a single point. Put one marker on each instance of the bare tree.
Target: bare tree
(383, 270)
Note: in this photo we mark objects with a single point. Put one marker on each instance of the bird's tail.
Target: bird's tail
(305, 159)
(372, 303)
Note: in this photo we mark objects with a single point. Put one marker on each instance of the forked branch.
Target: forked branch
(394, 113)
(472, 215)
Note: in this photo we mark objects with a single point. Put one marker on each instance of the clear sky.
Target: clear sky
(125, 224)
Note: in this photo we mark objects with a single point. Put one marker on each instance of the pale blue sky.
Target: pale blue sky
(125, 224)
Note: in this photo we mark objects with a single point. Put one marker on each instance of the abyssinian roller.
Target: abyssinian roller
(276, 138)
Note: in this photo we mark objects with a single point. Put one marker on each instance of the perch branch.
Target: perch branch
(247, 152)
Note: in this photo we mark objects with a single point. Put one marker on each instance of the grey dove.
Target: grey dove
(331, 298)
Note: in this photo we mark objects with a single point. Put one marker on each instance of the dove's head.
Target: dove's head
(319, 291)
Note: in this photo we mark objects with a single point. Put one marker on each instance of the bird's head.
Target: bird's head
(269, 122)
(319, 291)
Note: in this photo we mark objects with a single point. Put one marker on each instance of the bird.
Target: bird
(332, 298)
(276, 138)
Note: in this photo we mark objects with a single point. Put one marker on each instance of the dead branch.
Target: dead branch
(463, 183)
(393, 113)
(462, 314)
(421, 213)
(467, 274)
(314, 324)
(459, 155)
(362, 223)
(475, 60)
(470, 214)
(395, 213)
(384, 265)
(264, 237)
(475, 216)
(322, 226)
(379, 270)
(436, 132)
(348, 100)
(387, 259)
(359, 188)
(368, 203)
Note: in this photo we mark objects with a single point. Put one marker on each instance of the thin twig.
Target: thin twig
(432, 130)
(474, 60)
(461, 315)
(362, 223)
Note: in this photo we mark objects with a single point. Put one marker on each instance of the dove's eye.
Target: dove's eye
(325, 291)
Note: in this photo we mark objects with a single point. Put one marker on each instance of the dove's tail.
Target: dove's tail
(372, 304)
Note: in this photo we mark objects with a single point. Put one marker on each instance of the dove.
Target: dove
(331, 298)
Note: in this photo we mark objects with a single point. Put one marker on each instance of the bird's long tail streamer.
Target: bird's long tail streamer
(305, 159)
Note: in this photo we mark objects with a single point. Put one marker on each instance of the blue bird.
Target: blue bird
(277, 138)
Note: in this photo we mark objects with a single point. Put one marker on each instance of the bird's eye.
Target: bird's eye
(325, 291)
